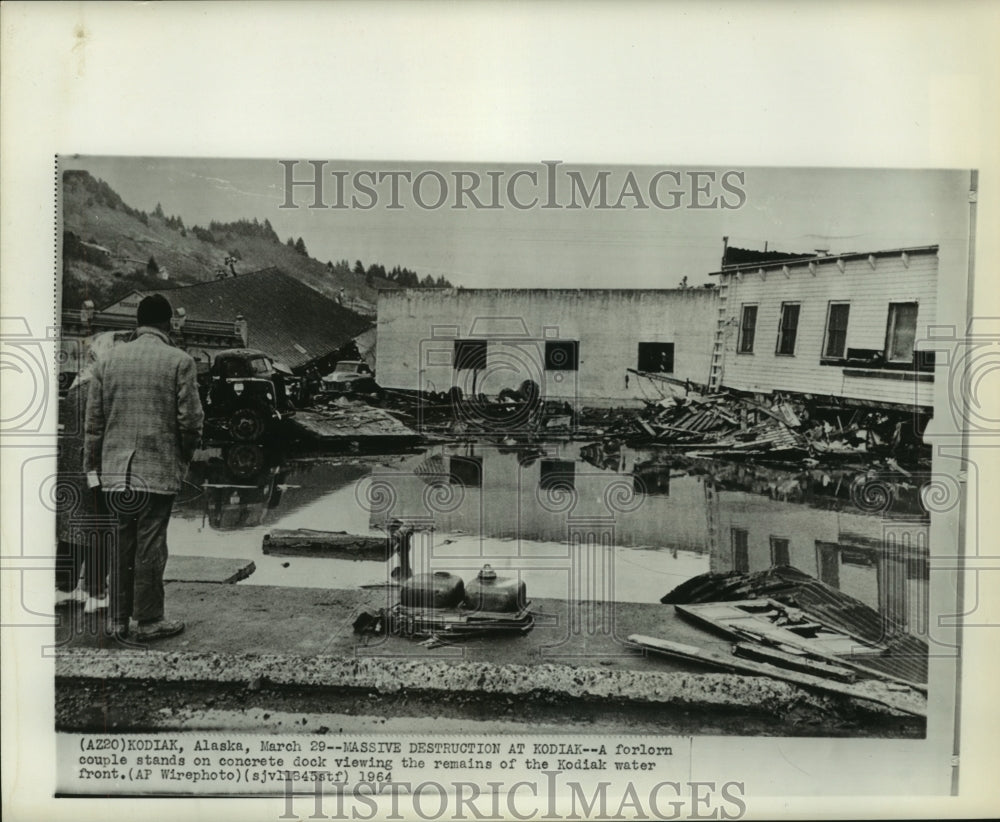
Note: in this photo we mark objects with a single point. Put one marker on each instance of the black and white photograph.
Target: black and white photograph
(690, 494)
(519, 481)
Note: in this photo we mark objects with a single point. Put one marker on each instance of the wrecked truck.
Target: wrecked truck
(245, 394)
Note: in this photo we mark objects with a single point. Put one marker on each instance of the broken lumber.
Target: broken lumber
(896, 698)
(794, 660)
(187, 568)
(305, 542)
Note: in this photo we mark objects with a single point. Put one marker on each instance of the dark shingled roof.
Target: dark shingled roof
(288, 320)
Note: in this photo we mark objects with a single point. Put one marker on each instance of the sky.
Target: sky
(790, 209)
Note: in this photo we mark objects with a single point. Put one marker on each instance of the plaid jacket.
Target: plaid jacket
(144, 417)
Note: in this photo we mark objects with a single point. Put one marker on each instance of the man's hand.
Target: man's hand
(189, 443)
(93, 480)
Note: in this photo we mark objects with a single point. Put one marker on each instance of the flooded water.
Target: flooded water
(571, 520)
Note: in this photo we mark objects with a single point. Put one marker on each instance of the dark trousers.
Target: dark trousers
(85, 544)
(140, 555)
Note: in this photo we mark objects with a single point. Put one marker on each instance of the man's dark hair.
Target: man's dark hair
(154, 310)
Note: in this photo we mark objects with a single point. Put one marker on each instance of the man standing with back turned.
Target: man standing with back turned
(143, 423)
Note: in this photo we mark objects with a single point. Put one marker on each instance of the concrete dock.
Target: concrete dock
(252, 653)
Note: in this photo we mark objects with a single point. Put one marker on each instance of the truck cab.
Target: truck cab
(246, 393)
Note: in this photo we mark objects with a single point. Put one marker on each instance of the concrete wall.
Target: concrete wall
(417, 329)
(868, 290)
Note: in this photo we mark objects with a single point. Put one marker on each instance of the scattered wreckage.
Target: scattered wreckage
(245, 395)
(520, 411)
(727, 423)
(685, 417)
(788, 625)
(349, 377)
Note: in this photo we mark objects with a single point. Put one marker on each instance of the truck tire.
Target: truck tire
(247, 424)
(244, 460)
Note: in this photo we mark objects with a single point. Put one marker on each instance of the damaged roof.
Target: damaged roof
(291, 322)
(730, 268)
(734, 257)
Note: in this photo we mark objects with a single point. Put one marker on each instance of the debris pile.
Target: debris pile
(727, 423)
(454, 413)
(903, 657)
(722, 422)
(787, 625)
(353, 422)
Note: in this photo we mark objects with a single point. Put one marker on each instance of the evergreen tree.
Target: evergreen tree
(151, 267)
(269, 232)
(300, 247)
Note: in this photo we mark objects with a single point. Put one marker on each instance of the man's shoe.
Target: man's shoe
(70, 597)
(160, 629)
(95, 604)
(118, 629)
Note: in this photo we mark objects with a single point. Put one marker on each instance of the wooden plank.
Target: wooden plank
(799, 661)
(903, 657)
(187, 568)
(748, 621)
(907, 701)
(305, 542)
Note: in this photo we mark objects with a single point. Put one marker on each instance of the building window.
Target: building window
(780, 554)
(465, 471)
(748, 327)
(828, 563)
(788, 328)
(835, 345)
(651, 482)
(654, 356)
(901, 333)
(470, 355)
(741, 551)
(562, 355)
(557, 475)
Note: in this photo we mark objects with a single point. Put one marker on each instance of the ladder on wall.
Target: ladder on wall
(712, 520)
(719, 346)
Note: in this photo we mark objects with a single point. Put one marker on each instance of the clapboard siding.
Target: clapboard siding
(868, 291)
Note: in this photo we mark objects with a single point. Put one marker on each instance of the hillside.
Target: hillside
(108, 247)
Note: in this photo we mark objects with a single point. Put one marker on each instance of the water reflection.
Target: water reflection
(543, 495)
(246, 485)
(235, 486)
(859, 531)
(640, 521)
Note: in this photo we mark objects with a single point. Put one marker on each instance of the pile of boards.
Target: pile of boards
(718, 423)
(790, 626)
(728, 423)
